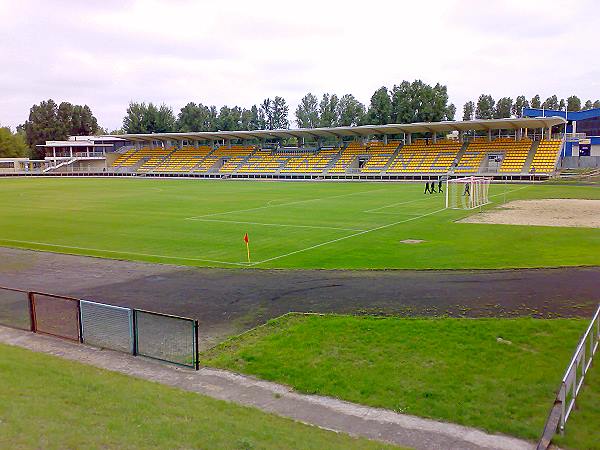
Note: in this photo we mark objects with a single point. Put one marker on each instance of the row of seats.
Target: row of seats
(422, 156)
(425, 156)
(545, 157)
(184, 160)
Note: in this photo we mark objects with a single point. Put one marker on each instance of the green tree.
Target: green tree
(350, 112)
(573, 103)
(420, 102)
(273, 114)
(194, 117)
(468, 110)
(142, 118)
(230, 119)
(250, 119)
(280, 112)
(380, 109)
(504, 108)
(536, 102)
(133, 122)
(596, 104)
(12, 145)
(450, 112)
(307, 112)
(551, 103)
(588, 105)
(485, 107)
(520, 103)
(328, 111)
(43, 125)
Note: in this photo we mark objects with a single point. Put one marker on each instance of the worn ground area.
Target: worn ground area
(563, 212)
(229, 301)
(324, 412)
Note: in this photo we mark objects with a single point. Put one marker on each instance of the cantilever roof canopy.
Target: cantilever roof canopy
(364, 130)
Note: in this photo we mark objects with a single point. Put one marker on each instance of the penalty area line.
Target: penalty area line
(275, 224)
(332, 241)
(116, 252)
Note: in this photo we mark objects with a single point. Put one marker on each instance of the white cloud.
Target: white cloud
(108, 53)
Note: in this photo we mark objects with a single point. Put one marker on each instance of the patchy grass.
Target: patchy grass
(291, 225)
(496, 374)
(583, 427)
(49, 403)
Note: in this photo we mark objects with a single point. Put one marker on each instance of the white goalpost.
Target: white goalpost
(467, 192)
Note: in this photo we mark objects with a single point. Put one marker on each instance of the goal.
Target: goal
(467, 192)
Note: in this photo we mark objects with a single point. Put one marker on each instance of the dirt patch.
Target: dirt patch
(548, 212)
(412, 241)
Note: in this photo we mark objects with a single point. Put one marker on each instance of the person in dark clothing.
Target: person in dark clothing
(467, 192)
(432, 189)
(440, 186)
(426, 188)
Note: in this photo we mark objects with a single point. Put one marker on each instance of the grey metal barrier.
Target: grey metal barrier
(107, 326)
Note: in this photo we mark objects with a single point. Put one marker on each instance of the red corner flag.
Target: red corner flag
(247, 241)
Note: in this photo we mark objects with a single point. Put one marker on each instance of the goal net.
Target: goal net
(467, 193)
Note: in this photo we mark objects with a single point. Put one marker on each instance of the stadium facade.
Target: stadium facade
(582, 144)
(513, 148)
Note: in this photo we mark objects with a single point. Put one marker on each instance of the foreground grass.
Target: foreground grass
(291, 225)
(49, 403)
(496, 374)
(583, 427)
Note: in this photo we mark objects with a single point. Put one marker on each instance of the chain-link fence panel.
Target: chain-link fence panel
(55, 315)
(106, 326)
(167, 338)
(14, 309)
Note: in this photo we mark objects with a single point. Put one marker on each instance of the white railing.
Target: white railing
(571, 382)
(580, 364)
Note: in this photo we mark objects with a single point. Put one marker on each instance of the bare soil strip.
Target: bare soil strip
(562, 212)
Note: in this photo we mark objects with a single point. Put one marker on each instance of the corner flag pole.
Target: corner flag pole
(247, 241)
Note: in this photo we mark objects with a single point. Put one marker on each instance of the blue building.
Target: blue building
(583, 138)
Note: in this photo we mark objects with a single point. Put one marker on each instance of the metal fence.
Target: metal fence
(56, 316)
(166, 338)
(154, 335)
(14, 309)
(572, 382)
(107, 326)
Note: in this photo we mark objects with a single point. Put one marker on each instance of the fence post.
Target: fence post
(196, 343)
(33, 323)
(135, 332)
(80, 321)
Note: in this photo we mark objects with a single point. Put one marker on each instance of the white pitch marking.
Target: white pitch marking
(276, 224)
(349, 236)
(365, 232)
(397, 204)
(284, 204)
(121, 253)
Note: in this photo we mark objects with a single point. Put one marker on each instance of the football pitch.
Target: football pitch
(290, 224)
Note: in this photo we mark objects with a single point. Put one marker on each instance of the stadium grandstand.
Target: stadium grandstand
(516, 148)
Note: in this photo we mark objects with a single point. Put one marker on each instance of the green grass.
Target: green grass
(458, 370)
(583, 427)
(293, 224)
(49, 403)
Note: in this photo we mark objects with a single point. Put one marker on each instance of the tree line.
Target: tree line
(407, 102)
(488, 108)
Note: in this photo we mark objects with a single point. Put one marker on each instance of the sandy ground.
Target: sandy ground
(549, 212)
(229, 301)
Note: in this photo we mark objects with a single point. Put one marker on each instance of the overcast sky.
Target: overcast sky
(110, 52)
